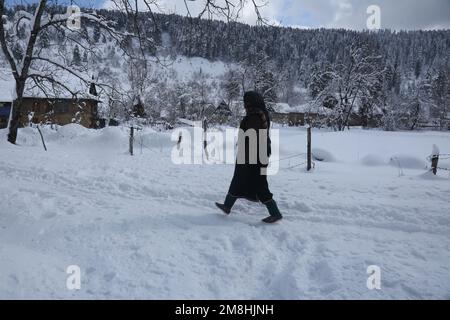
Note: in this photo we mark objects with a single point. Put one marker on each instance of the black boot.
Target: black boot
(229, 203)
(274, 212)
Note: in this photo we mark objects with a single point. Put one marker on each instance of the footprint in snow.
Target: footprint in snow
(90, 270)
(124, 187)
(49, 215)
(13, 278)
(109, 276)
(302, 207)
(322, 277)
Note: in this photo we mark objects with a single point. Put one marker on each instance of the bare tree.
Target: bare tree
(29, 66)
(343, 86)
(34, 27)
(231, 86)
(139, 78)
(230, 10)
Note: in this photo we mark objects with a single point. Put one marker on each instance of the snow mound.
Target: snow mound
(372, 160)
(28, 137)
(407, 162)
(322, 155)
(430, 176)
(111, 137)
(72, 131)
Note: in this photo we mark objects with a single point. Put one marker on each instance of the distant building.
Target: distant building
(5, 109)
(222, 113)
(302, 115)
(53, 110)
(60, 111)
(282, 113)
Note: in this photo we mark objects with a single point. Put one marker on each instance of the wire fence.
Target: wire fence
(293, 158)
(138, 138)
(442, 156)
(300, 165)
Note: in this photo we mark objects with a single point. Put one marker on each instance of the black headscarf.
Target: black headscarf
(253, 99)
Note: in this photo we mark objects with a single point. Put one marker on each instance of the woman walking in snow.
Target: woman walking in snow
(250, 179)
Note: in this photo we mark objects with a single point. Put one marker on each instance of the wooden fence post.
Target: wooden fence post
(180, 139)
(434, 163)
(434, 159)
(309, 149)
(131, 140)
(205, 143)
(42, 138)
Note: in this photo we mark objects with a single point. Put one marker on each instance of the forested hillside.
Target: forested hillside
(402, 75)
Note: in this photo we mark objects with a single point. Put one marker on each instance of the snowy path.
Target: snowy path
(143, 227)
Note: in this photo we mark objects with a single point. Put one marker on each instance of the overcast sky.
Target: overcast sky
(350, 14)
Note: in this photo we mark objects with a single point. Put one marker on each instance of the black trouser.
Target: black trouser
(263, 193)
(271, 205)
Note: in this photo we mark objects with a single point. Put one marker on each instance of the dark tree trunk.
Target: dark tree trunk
(15, 112)
(14, 124)
(20, 75)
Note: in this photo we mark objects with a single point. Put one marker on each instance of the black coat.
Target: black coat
(248, 181)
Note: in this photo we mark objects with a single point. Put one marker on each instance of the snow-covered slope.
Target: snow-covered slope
(142, 227)
(180, 69)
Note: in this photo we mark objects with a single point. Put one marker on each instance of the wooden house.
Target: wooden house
(60, 111)
(282, 113)
(53, 110)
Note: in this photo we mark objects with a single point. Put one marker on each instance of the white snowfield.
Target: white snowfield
(142, 227)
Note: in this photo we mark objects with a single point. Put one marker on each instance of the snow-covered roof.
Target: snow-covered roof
(304, 108)
(286, 108)
(164, 114)
(7, 89)
(281, 107)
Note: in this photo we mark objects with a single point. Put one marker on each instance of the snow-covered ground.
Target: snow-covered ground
(143, 227)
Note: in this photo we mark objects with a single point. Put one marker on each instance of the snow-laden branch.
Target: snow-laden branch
(4, 45)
